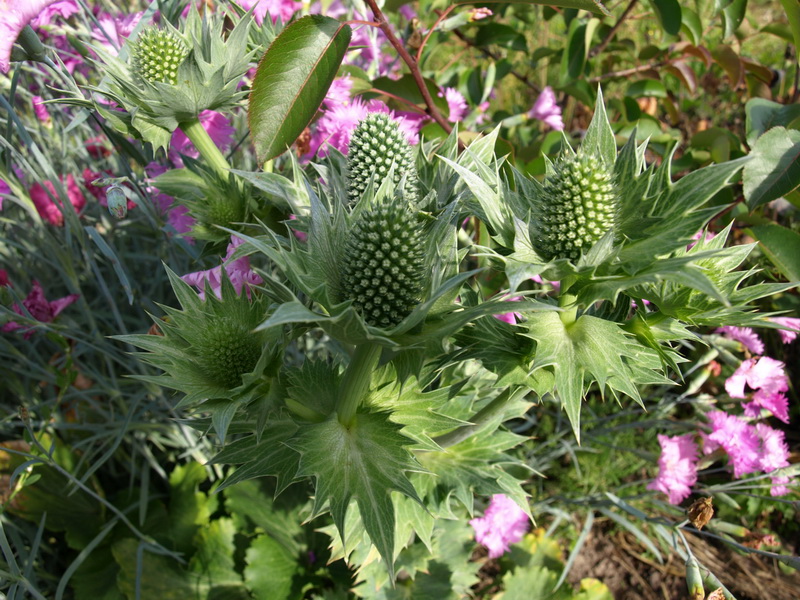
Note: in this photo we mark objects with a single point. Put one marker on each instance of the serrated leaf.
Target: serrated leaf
(188, 508)
(366, 461)
(533, 583)
(292, 79)
(213, 558)
(775, 168)
(599, 140)
(270, 569)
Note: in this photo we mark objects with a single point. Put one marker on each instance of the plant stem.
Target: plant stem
(613, 31)
(355, 383)
(566, 301)
(484, 415)
(198, 135)
(412, 65)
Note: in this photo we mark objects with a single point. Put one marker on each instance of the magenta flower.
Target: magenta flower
(14, 16)
(768, 379)
(502, 524)
(787, 337)
(748, 338)
(48, 208)
(40, 110)
(113, 31)
(677, 467)
(545, 109)
(704, 235)
(5, 190)
(339, 93)
(510, 317)
(738, 438)
(39, 308)
(456, 104)
(284, 9)
(238, 271)
(63, 8)
(219, 130)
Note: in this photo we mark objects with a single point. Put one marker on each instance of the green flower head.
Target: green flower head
(157, 55)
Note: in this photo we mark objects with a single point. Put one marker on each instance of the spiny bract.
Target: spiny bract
(576, 207)
(383, 264)
(158, 54)
(375, 144)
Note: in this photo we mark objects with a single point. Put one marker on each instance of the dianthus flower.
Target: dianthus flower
(677, 467)
(14, 16)
(774, 454)
(39, 308)
(239, 273)
(502, 524)
(4, 190)
(787, 337)
(276, 8)
(48, 208)
(738, 438)
(40, 110)
(510, 317)
(456, 104)
(545, 109)
(748, 338)
(113, 31)
(767, 377)
(63, 8)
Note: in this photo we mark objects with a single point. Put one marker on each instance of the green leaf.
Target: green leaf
(189, 509)
(733, 15)
(594, 6)
(367, 462)
(669, 13)
(590, 349)
(500, 35)
(535, 583)
(573, 60)
(692, 25)
(213, 559)
(292, 80)
(406, 87)
(647, 88)
(599, 140)
(775, 168)
(762, 115)
(782, 247)
(793, 14)
(270, 569)
(159, 576)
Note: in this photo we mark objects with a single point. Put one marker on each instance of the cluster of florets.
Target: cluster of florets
(383, 264)
(157, 55)
(578, 205)
(375, 145)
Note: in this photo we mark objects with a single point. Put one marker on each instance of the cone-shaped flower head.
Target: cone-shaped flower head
(158, 54)
(375, 144)
(383, 264)
(576, 207)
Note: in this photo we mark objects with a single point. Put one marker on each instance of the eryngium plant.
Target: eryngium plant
(376, 146)
(157, 54)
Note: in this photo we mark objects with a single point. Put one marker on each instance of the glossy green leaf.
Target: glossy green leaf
(647, 87)
(762, 114)
(574, 57)
(292, 80)
(775, 168)
(782, 247)
(733, 15)
(669, 13)
(500, 35)
(594, 6)
(691, 25)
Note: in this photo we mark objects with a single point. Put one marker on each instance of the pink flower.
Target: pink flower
(745, 335)
(677, 467)
(180, 219)
(338, 93)
(113, 31)
(456, 104)
(4, 190)
(510, 317)
(502, 524)
(48, 208)
(39, 308)
(545, 109)
(3, 277)
(704, 235)
(219, 130)
(40, 110)
(476, 14)
(738, 438)
(238, 271)
(63, 8)
(14, 16)
(767, 377)
(276, 8)
(787, 337)
(774, 455)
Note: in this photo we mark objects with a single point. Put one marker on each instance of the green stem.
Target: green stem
(198, 135)
(480, 419)
(567, 302)
(355, 383)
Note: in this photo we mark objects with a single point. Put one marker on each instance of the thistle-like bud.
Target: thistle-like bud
(158, 54)
(383, 265)
(577, 206)
(375, 144)
(227, 351)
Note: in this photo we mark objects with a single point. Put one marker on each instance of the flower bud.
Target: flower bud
(227, 351)
(577, 206)
(158, 54)
(375, 144)
(383, 265)
(694, 580)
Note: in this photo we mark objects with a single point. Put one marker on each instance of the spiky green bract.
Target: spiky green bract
(383, 263)
(366, 462)
(577, 205)
(177, 91)
(375, 145)
(213, 200)
(210, 352)
(157, 54)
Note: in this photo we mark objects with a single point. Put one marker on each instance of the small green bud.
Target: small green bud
(117, 202)
(227, 351)
(157, 55)
(577, 206)
(383, 264)
(375, 144)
